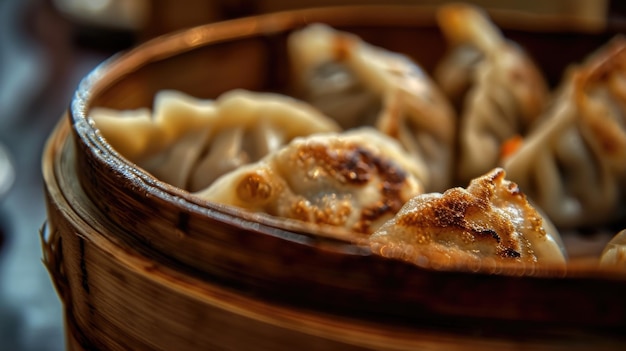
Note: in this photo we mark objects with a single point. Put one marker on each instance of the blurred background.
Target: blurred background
(46, 47)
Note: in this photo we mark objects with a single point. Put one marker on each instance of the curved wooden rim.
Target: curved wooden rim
(357, 332)
(361, 332)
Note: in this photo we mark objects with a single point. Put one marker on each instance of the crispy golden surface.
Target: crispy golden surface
(490, 219)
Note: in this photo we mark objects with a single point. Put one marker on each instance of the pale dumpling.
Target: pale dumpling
(497, 88)
(359, 84)
(354, 180)
(573, 163)
(491, 221)
(189, 142)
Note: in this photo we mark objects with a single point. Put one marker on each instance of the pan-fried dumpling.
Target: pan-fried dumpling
(355, 180)
(491, 221)
(615, 251)
(359, 84)
(189, 142)
(495, 85)
(573, 164)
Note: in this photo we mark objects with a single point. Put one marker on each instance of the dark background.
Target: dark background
(42, 58)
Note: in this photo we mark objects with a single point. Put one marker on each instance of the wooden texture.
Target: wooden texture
(143, 265)
(117, 298)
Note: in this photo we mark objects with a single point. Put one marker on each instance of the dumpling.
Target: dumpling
(135, 133)
(359, 84)
(497, 88)
(354, 180)
(490, 221)
(615, 251)
(573, 164)
(189, 142)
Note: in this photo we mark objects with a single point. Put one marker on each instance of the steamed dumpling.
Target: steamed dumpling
(573, 164)
(495, 85)
(359, 84)
(354, 180)
(189, 142)
(491, 219)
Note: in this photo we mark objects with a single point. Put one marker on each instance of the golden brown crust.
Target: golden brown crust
(356, 180)
(489, 219)
(352, 165)
(253, 187)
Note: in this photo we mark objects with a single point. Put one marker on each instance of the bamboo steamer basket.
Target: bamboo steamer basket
(142, 265)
